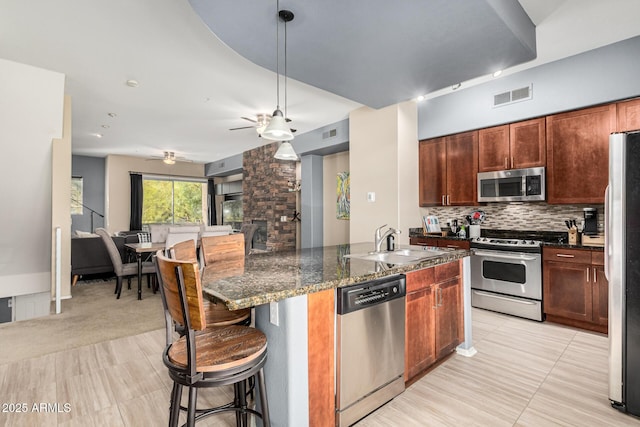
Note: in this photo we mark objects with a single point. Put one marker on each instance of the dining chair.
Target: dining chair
(206, 357)
(216, 313)
(122, 269)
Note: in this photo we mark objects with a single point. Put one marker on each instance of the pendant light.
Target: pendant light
(278, 130)
(286, 152)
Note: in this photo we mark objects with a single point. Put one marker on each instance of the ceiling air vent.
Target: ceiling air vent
(515, 95)
(329, 134)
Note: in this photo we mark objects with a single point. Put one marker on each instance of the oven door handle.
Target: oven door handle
(514, 257)
(486, 294)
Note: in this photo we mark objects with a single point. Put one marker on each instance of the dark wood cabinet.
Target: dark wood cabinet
(440, 242)
(420, 327)
(447, 308)
(462, 169)
(432, 171)
(575, 291)
(513, 146)
(628, 115)
(453, 244)
(578, 155)
(493, 149)
(527, 141)
(447, 170)
(434, 317)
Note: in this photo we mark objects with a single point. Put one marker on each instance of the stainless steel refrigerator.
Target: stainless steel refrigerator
(622, 268)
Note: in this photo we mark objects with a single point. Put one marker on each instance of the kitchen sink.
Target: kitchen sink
(400, 256)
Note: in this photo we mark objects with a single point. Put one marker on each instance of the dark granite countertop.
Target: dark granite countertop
(555, 239)
(274, 276)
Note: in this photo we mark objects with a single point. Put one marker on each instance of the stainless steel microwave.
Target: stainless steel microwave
(515, 185)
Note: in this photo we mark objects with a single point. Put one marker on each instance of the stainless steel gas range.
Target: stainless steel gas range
(506, 276)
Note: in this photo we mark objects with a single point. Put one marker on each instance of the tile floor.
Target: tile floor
(525, 374)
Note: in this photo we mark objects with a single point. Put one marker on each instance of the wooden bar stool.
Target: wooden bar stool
(216, 314)
(212, 358)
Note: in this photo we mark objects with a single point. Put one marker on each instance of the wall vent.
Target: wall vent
(515, 95)
(329, 134)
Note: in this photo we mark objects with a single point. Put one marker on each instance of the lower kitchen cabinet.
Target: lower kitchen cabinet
(440, 242)
(434, 324)
(575, 289)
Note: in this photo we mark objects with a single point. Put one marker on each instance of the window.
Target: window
(173, 201)
(76, 195)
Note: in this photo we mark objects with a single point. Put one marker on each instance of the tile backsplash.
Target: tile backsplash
(538, 216)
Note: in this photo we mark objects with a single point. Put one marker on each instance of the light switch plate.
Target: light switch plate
(283, 218)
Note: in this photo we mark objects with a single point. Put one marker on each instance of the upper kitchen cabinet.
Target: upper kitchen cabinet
(628, 115)
(578, 155)
(432, 171)
(514, 146)
(448, 169)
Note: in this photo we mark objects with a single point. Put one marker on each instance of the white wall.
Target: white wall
(598, 76)
(61, 204)
(118, 184)
(383, 160)
(334, 231)
(31, 116)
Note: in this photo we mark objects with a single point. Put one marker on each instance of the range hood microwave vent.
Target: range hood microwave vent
(515, 95)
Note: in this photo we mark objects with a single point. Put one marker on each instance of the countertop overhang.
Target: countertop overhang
(274, 276)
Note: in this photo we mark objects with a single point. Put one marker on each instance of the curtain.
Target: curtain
(135, 222)
(211, 202)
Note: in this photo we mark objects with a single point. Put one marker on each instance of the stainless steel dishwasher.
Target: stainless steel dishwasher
(370, 346)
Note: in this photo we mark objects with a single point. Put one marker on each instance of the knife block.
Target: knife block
(573, 236)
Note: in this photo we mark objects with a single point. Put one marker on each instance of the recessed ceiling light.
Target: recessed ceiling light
(420, 98)
(132, 83)
(497, 73)
(106, 126)
(456, 86)
(97, 135)
(112, 115)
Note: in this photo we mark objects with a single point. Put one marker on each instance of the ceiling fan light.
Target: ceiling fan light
(169, 158)
(286, 152)
(260, 129)
(277, 129)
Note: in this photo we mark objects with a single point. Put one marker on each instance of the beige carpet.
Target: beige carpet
(92, 315)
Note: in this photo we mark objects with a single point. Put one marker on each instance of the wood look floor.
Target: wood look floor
(525, 374)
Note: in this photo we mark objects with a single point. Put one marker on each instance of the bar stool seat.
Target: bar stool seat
(221, 348)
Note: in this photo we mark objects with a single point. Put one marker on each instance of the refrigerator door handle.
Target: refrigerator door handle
(607, 232)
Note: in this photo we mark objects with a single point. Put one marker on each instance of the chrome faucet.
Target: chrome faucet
(379, 238)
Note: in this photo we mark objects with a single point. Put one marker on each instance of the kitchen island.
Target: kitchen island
(293, 293)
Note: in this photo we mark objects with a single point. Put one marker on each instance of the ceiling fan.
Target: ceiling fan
(169, 158)
(260, 123)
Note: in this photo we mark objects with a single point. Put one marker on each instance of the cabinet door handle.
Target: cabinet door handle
(565, 256)
(595, 275)
(505, 163)
(443, 202)
(511, 162)
(588, 274)
(448, 202)
(441, 299)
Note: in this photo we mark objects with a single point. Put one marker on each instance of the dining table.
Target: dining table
(140, 249)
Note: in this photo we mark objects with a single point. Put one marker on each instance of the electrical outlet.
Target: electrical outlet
(274, 317)
(371, 196)
(283, 218)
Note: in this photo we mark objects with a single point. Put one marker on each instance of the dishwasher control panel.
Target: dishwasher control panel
(362, 295)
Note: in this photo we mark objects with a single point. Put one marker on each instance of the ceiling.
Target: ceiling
(192, 87)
